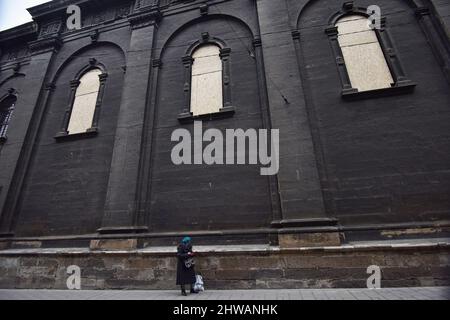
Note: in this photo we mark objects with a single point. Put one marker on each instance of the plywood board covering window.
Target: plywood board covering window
(85, 101)
(206, 85)
(364, 59)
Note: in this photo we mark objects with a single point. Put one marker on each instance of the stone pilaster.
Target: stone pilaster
(32, 102)
(121, 215)
(303, 220)
(438, 42)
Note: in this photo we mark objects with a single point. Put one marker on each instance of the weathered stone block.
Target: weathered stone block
(234, 274)
(127, 244)
(26, 244)
(5, 245)
(300, 240)
(251, 262)
(269, 274)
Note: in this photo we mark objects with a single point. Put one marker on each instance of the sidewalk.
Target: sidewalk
(435, 293)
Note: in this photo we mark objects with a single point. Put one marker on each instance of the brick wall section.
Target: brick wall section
(320, 268)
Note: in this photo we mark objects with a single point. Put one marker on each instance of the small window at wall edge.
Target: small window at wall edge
(386, 57)
(207, 83)
(7, 106)
(82, 114)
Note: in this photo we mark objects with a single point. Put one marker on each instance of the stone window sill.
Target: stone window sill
(398, 88)
(225, 112)
(65, 136)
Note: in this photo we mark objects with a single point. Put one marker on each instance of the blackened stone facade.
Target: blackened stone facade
(351, 168)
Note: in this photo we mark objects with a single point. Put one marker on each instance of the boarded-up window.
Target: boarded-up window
(6, 110)
(366, 65)
(85, 101)
(206, 86)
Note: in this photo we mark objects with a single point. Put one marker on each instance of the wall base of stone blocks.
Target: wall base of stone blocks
(402, 265)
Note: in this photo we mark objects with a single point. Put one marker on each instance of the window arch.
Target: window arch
(7, 106)
(367, 61)
(82, 114)
(206, 82)
(83, 107)
(362, 53)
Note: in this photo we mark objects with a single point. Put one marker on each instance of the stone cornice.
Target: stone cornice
(55, 6)
(24, 30)
(52, 6)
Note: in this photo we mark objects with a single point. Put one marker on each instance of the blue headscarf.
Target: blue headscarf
(186, 240)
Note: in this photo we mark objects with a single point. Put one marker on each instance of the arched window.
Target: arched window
(364, 59)
(6, 110)
(84, 102)
(206, 82)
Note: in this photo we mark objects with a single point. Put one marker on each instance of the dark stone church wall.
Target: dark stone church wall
(65, 189)
(201, 197)
(10, 149)
(66, 182)
(23, 77)
(381, 160)
(387, 159)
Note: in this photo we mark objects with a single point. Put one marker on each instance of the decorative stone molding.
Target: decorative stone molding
(50, 87)
(332, 33)
(92, 62)
(257, 42)
(144, 19)
(50, 29)
(52, 44)
(17, 67)
(204, 9)
(401, 82)
(225, 112)
(228, 109)
(422, 11)
(205, 37)
(348, 6)
(157, 63)
(64, 135)
(140, 4)
(94, 35)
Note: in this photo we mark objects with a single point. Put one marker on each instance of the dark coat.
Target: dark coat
(184, 275)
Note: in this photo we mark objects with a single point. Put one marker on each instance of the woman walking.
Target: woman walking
(185, 268)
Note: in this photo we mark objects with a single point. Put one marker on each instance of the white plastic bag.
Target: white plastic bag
(199, 285)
